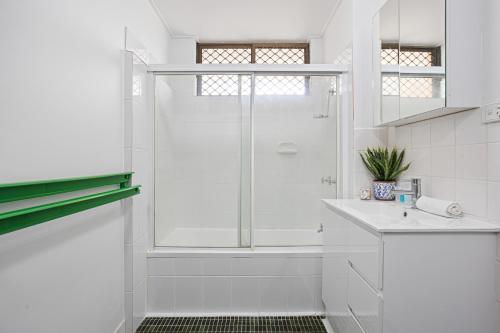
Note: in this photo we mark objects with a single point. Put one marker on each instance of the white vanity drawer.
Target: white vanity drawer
(366, 255)
(364, 303)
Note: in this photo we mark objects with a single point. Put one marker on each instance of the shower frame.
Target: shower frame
(251, 70)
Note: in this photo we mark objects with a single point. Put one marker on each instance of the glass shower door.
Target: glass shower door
(199, 160)
(294, 137)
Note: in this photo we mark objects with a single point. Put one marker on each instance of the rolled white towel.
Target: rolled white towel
(439, 207)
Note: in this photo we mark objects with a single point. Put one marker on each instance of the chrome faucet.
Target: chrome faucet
(415, 191)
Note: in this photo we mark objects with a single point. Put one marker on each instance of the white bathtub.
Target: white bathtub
(228, 237)
(261, 281)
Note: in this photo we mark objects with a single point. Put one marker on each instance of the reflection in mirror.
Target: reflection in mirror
(387, 60)
(409, 59)
(421, 56)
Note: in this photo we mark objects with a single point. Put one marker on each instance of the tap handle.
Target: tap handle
(416, 187)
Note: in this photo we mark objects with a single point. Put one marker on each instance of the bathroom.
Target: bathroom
(193, 166)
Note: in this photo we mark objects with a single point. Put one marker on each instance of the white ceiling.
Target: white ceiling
(246, 20)
(418, 23)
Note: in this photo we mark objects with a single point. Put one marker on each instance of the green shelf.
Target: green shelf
(27, 217)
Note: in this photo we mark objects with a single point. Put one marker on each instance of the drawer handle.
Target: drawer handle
(375, 290)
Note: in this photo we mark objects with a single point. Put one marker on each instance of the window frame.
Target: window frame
(253, 47)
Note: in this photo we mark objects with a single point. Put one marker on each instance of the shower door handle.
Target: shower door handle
(328, 180)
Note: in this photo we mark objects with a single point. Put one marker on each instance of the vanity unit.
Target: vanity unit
(386, 273)
(426, 59)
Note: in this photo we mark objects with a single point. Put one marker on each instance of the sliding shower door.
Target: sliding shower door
(294, 136)
(202, 164)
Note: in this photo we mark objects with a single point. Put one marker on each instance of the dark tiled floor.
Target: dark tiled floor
(296, 324)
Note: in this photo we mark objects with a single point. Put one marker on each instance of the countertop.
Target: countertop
(387, 216)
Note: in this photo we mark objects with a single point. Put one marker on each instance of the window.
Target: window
(410, 56)
(232, 85)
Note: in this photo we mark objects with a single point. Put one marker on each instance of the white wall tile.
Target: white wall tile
(370, 137)
(443, 131)
(498, 281)
(161, 267)
(494, 202)
(129, 319)
(128, 267)
(217, 297)
(471, 161)
(443, 188)
(469, 128)
(421, 134)
(494, 161)
(256, 284)
(274, 293)
(498, 247)
(304, 294)
(494, 132)
(188, 266)
(498, 314)
(272, 266)
(245, 294)
(216, 266)
(420, 159)
(189, 294)
(403, 137)
(472, 195)
(307, 266)
(161, 294)
(140, 262)
(243, 266)
(139, 305)
(443, 161)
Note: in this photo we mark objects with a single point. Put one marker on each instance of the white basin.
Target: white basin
(387, 216)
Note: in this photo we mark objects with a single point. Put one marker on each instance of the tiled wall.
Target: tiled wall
(458, 158)
(365, 138)
(235, 284)
(139, 159)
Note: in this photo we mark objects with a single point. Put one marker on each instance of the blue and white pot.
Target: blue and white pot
(384, 190)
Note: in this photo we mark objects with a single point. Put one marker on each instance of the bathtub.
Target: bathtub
(237, 281)
(228, 237)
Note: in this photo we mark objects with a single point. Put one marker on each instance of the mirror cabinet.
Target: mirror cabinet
(426, 59)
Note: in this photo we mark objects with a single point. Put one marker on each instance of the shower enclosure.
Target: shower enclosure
(243, 158)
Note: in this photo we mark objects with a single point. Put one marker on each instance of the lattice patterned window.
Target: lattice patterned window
(389, 56)
(225, 55)
(280, 55)
(230, 85)
(415, 87)
(390, 85)
(418, 87)
(410, 56)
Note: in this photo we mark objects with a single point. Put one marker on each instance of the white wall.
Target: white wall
(61, 101)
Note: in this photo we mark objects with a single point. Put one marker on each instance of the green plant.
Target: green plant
(384, 166)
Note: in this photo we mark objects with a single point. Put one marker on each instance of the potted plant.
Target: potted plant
(385, 168)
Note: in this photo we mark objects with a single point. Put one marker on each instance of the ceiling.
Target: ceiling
(419, 23)
(246, 20)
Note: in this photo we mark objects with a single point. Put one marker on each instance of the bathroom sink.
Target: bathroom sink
(388, 216)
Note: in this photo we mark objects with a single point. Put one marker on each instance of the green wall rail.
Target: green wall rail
(42, 188)
(26, 217)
